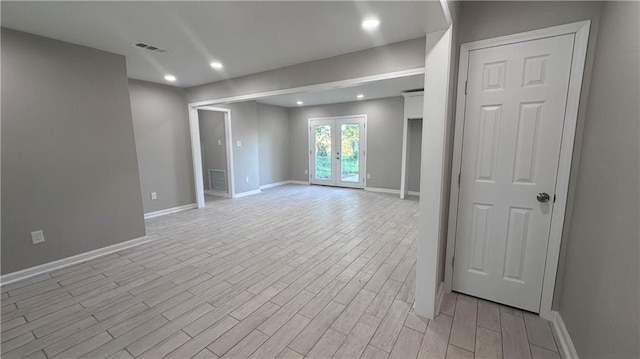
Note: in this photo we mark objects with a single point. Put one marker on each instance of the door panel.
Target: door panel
(351, 137)
(349, 158)
(337, 152)
(322, 133)
(514, 112)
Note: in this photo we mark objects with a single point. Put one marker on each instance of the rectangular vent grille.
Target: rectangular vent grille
(218, 180)
(142, 45)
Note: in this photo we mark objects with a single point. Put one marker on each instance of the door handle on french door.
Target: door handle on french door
(337, 155)
(543, 197)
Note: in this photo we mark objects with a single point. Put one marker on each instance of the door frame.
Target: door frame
(196, 151)
(581, 32)
(364, 136)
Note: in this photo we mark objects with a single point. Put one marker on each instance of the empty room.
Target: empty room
(320, 179)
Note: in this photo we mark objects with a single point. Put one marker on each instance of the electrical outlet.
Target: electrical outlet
(219, 142)
(368, 175)
(246, 180)
(37, 237)
(239, 143)
(154, 196)
(306, 172)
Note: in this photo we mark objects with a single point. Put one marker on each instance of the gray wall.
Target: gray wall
(69, 162)
(214, 155)
(600, 297)
(273, 143)
(384, 137)
(161, 127)
(413, 155)
(244, 128)
(394, 57)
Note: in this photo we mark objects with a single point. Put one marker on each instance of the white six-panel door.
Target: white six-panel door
(513, 121)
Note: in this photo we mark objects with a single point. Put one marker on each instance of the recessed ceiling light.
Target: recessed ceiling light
(370, 24)
(299, 102)
(170, 78)
(361, 96)
(216, 65)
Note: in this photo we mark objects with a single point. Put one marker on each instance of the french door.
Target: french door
(337, 150)
(513, 123)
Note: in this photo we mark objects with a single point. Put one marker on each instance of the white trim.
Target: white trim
(196, 151)
(247, 193)
(414, 193)
(164, 212)
(69, 261)
(316, 87)
(405, 142)
(382, 190)
(336, 117)
(275, 184)
(304, 183)
(562, 334)
(446, 12)
(564, 169)
(431, 235)
(581, 31)
(217, 193)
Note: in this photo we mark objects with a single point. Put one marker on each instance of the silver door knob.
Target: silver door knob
(543, 197)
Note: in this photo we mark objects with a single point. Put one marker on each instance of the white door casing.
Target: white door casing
(196, 151)
(335, 176)
(513, 126)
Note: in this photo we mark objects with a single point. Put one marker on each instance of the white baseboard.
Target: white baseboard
(216, 193)
(413, 193)
(299, 182)
(164, 212)
(69, 261)
(564, 339)
(382, 190)
(248, 193)
(276, 184)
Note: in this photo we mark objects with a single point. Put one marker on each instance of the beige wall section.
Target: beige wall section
(600, 297)
(214, 153)
(399, 56)
(413, 155)
(384, 137)
(481, 20)
(161, 127)
(69, 162)
(273, 143)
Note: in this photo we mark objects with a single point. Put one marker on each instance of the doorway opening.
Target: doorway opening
(337, 150)
(212, 152)
(414, 149)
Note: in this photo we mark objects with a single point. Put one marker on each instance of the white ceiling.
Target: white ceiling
(247, 37)
(370, 90)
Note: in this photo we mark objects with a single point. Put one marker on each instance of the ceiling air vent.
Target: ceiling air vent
(142, 45)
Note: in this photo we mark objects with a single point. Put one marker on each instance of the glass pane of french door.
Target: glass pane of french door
(323, 135)
(350, 152)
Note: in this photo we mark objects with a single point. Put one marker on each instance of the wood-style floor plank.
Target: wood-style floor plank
(293, 271)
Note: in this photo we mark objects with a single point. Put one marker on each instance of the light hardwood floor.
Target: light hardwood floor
(297, 271)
